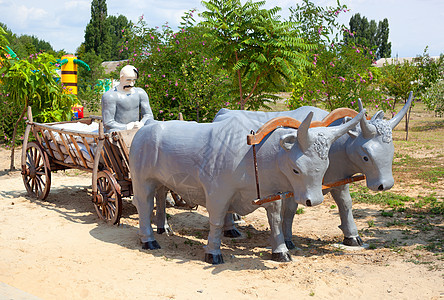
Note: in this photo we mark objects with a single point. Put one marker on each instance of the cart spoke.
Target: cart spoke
(40, 167)
(38, 158)
(30, 157)
(40, 181)
(110, 194)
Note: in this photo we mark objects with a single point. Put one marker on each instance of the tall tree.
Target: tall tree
(117, 26)
(384, 47)
(368, 34)
(260, 51)
(25, 45)
(97, 32)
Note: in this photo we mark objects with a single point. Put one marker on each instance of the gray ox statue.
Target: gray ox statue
(212, 165)
(368, 150)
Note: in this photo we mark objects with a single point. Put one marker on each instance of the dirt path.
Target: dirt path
(58, 249)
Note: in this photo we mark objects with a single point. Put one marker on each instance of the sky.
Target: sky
(413, 24)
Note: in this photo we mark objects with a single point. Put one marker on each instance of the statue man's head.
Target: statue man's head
(128, 76)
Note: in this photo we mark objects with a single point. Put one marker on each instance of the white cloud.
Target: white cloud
(413, 23)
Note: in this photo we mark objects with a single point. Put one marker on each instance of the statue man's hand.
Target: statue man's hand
(138, 124)
(130, 125)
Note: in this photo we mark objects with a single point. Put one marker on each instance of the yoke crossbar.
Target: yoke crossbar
(255, 138)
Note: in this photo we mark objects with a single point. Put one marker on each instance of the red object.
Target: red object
(79, 110)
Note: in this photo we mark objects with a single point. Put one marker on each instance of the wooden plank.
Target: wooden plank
(280, 196)
(68, 148)
(91, 154)
(54, 141)
(114, 155)
(48, 145)
(343, 181)
(78, 151)
(125, 155)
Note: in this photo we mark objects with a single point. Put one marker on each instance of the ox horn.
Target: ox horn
(361, 107)
(344, 128)
(368, 130)
(396, 119)
(303, 135)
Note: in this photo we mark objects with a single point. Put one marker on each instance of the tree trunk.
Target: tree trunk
(14, 135)
(241, 99)
(394, 104)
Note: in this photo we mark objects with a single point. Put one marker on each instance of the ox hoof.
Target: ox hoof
(163, 230)
(290, 245)
(353, 241)
(214, 259)
(232, 233)
(152, 245)
(237, 218)
(281, 257)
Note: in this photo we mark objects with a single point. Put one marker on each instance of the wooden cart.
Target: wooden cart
(104, 155)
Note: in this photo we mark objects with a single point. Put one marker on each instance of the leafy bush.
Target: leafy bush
(9, 113)
(31, 81)
(340, 73)
(434, 98)
(177, 70)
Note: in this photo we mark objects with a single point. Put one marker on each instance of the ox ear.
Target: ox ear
(396, 119)
(338, 131)
(352, 132)
(378, 115)
(287, 141)
(304, 138)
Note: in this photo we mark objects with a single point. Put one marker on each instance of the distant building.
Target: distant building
(396, 60)
(110, 66)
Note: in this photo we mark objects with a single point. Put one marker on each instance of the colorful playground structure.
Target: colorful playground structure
(68, 64)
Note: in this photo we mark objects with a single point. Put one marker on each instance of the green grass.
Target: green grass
(434, 205)
(392, 200)
(432, 175)
(432, 125)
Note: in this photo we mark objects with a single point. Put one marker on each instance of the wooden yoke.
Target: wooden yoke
(339, 113)
(255, 138)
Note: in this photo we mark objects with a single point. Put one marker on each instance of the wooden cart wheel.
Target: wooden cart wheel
(108, 201)
(36, 172)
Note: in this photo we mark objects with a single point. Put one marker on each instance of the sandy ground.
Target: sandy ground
(59, 249)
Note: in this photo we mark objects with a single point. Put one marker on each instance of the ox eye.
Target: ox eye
(295, 171)
(365, 158)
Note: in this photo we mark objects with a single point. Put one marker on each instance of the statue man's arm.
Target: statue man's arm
(109, 111)
(145, 107)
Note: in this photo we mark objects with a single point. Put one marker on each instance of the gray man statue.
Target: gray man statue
(121, 105)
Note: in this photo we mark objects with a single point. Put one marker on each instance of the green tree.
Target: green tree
(340, 73)
(260, 52)
(31, 81)
(384, 46)
(434, 98)
(398, 79)
(117, 26)
(177, 70)
(368, 34)
(89, 92)
(97, 32)
(430, 70)
(25, 45)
